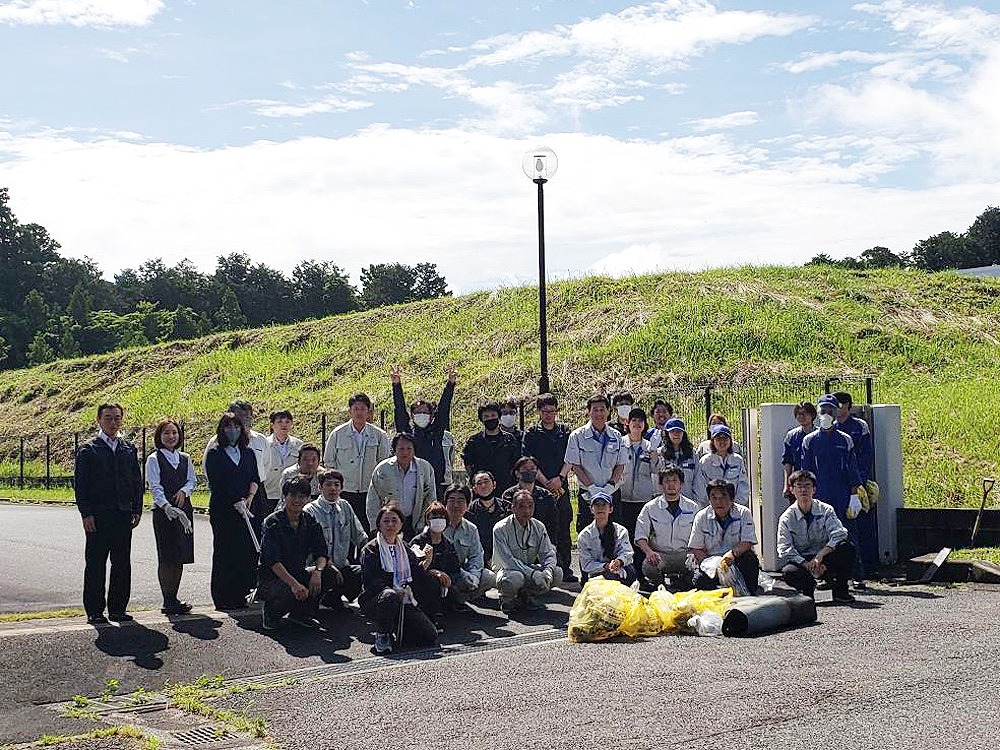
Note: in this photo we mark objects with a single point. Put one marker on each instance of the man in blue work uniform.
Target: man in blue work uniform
(791, 455)
(864, 449)
(830, 455)
(546, 442)
(107, 482)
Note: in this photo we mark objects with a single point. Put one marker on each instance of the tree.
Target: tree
(882, 257)
(984, 236)
(429, 283)
(394, 283)
(40, 351)
(69, 347)
(821, 260)
(229, 315)
(79, 306)
(36, 312)
(942, 251)
(322, 289)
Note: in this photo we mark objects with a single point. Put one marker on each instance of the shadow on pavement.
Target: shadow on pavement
(913, 594)
(197, 626)
(134, 640)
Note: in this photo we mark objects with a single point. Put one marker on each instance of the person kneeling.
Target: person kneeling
(289, 538)
(395, 587)
(443, 565)
(604, 546)
(812, 542)
(663, 530)
(473, 579)
(523, 557)
(725, 528)
(342, 530)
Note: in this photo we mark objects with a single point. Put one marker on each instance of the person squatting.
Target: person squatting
(381, 522)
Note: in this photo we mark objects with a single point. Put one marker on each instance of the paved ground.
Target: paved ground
(41, 560)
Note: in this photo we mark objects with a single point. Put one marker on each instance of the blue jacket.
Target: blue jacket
(830, 455)
(792, 453)
(863, 448)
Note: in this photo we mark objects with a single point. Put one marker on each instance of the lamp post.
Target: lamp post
(540, 164)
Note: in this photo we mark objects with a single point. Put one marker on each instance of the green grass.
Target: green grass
(44, 615)
(930, 340)
(65, 495)
(986, 554)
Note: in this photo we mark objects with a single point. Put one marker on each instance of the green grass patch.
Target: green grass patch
(64, 495)
(930, 341)
(986, 554)
(43, 615)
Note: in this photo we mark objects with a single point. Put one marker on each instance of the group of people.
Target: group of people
(382, 521)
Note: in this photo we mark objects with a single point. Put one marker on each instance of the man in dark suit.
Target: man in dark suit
(108, 488)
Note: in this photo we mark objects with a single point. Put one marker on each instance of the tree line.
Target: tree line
(56, 307)
(977, 246)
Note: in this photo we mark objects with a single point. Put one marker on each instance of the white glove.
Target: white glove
(609, 488)
(542, 578)
(591, 488)
(242, 509)
(854, 507)
(185, 522)
(172, 513)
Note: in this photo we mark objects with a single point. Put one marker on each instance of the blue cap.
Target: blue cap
(600, 496)
(720, 429)
(674, 424)
(828, 400)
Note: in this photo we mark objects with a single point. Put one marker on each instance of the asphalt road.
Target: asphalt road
(41, 560)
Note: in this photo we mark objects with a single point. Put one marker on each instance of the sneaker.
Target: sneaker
(843, 597)
(175, 608)
(120, 617)
(507, 606)
(97, 620)
(303, 621)
(531, 604)
(383, 644)
(570, 577)
(860, 586)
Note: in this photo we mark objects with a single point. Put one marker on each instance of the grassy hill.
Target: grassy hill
(930, 340)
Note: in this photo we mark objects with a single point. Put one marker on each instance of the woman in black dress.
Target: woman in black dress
(171, 480)
(231, 469)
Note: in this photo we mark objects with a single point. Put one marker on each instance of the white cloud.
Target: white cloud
(459, 199)
(726, 122)
(80, 12)
(325, 105)
(812, 61)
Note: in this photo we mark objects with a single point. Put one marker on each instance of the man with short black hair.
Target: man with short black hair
(523, 557)
(725, 528)
(282, 453)
(864, 449)
(287, 584)
(430, 425)
(493, 449)
(622, 405)
(662, 411)
(308, 466)
(663, 531)
(355, 448)
(342, 531)
(791, 456)
(596, 454)
(405, 480)
(107, 482)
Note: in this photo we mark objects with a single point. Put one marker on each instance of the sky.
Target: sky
(689, 134)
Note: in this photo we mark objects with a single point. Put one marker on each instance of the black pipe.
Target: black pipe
(752, 615)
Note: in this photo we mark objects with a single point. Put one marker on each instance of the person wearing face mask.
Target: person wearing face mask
(662, 411)
(526, 474)
(663, 530)
(722, 464)
(355, 448)
(829, 454)
(171, 480)
(510, 414)
(523, 557)
(405, 480)
(258, 504)
(473, 579)
(486, 510)
(791, 455)
(705, 446)
(675, 449)
(864, 449)
(604, 545)
(596, 454)
(492, 450)
(444, 565)
(306, 466)
(429, 424)
(725, 529)
(343, 531)
(232, 472)
(622, 405)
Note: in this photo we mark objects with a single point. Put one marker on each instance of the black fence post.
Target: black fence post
(520, 410)
(708, 403)
(142, 463)
(180, 431)
(20, 476)
(322, 430)
(381, 418)
(48, 462)
(869, 390)
(76, 444)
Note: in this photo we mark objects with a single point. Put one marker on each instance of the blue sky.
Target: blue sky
(690, 133)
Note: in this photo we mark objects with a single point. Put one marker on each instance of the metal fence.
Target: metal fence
(46, 460)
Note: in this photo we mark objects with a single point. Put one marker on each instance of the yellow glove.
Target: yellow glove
(873, 492)
(862, 494)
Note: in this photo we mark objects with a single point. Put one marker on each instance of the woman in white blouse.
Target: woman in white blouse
(171, 480)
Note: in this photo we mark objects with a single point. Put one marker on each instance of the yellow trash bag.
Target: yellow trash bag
(676, 609)
(642, 621)
(600, 609)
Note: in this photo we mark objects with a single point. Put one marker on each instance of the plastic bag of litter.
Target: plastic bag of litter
(765, 582)
(675, 610)
(600, 609)
(730, 575)
(707, 623)
(642, 621)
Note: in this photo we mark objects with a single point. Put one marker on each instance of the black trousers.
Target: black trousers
(839, 567)
(278, 600)
(747, 564)
(111, 538)
(385, 611)
(564, 519)
(234, 559)
(628, 515)
(359, 504)
(351, 585)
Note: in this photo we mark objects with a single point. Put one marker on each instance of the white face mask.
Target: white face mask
(437, 524)
(825, 421)
(421, 420)
(508, 420)
(623, 410)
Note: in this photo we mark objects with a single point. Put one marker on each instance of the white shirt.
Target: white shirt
(153, 475)
(718, 538)
(112, 442)
(588, 543)
(661, 530)
(596, 455)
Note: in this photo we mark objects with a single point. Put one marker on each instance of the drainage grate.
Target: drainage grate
(201, 736)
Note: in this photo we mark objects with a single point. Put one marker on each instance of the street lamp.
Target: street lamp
(540, 164)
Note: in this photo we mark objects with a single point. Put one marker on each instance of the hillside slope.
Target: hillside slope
(930, 340)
